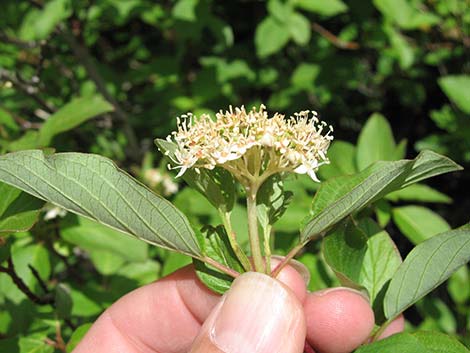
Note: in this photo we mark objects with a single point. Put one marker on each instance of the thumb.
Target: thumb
(258, 314)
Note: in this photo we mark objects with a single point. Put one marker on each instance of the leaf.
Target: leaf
(270, 37)
(344, 252)
(458, 287)
(32, 255)
(402, 49)
(419, 192)
(185, 10)
(92, 186)
(5, 246)
(77, 336)
(405, 15)
(71, 115)
(456, 87)
(418, 223)
(417, 342)
(18, 210)
(342, 157)
(63, 301)
(34, 343)
(304, 77)
(216, 245)
(299, 28)
(217, 185)
(375, 142)
(39, 24)
(94, 237)
(362, 256)
(341, 196)
(426, 266)
(67, 118)
(326, 8)
(272, 201)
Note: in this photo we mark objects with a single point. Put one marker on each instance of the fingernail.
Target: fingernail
(323, 292)
(298, 266)
(258, 314)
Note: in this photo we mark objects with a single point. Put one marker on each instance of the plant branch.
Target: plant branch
(253, 228)
(28, 89)
(10, 271)
(85, 58)
(286, 259)
(241, 256)
(220, 267)
(333, 39)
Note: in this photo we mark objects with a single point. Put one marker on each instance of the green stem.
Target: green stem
(220, 267)
(267, 247)
(381, 329)
(253, 228)
(286, 260)
(241, 256)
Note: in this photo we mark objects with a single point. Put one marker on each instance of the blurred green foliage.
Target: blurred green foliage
(108, 76)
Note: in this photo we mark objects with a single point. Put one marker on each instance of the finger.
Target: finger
(163, 317)
(338, 320)
(258, 314)
(396, 326)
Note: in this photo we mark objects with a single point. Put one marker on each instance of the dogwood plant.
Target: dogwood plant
(248, 154)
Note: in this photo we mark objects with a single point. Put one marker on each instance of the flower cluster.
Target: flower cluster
(251, 145)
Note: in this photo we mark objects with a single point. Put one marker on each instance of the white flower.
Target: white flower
(251, 145)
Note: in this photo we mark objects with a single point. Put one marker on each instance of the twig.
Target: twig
(28, 89)
(333, 39)
(41, 282)
(10, 271)
(19, 43)
(85, 58)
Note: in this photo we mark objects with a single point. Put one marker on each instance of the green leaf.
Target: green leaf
(326, 8)
(94, 237)
(405, 15)
(426, 266)
(5, 246)
(216, 245)
(63, 301)
(71, 115)
(458, 287)
(270, 37)
(34, 255)
(18, 210)
(185, 10)
(304, 77)
(420, 193)
(92, 186)
(456, 87)
(34, 343)
(77, 336)
(106, 262)
(39, 24)
(417, 342)
(217, 185)
(376, 142)
(342, 157)
(272, 201)
(299, 28)
(418, 223)
(401, 48)
(362, 256)
(344, 252)
(339, 197)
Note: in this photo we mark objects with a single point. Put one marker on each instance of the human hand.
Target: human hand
(258, 314)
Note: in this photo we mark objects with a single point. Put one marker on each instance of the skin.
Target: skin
(167, 317)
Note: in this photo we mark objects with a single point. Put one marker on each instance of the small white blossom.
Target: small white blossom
(251, 145)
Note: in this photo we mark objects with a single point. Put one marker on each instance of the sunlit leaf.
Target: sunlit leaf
(426, 266)
(94, 187)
